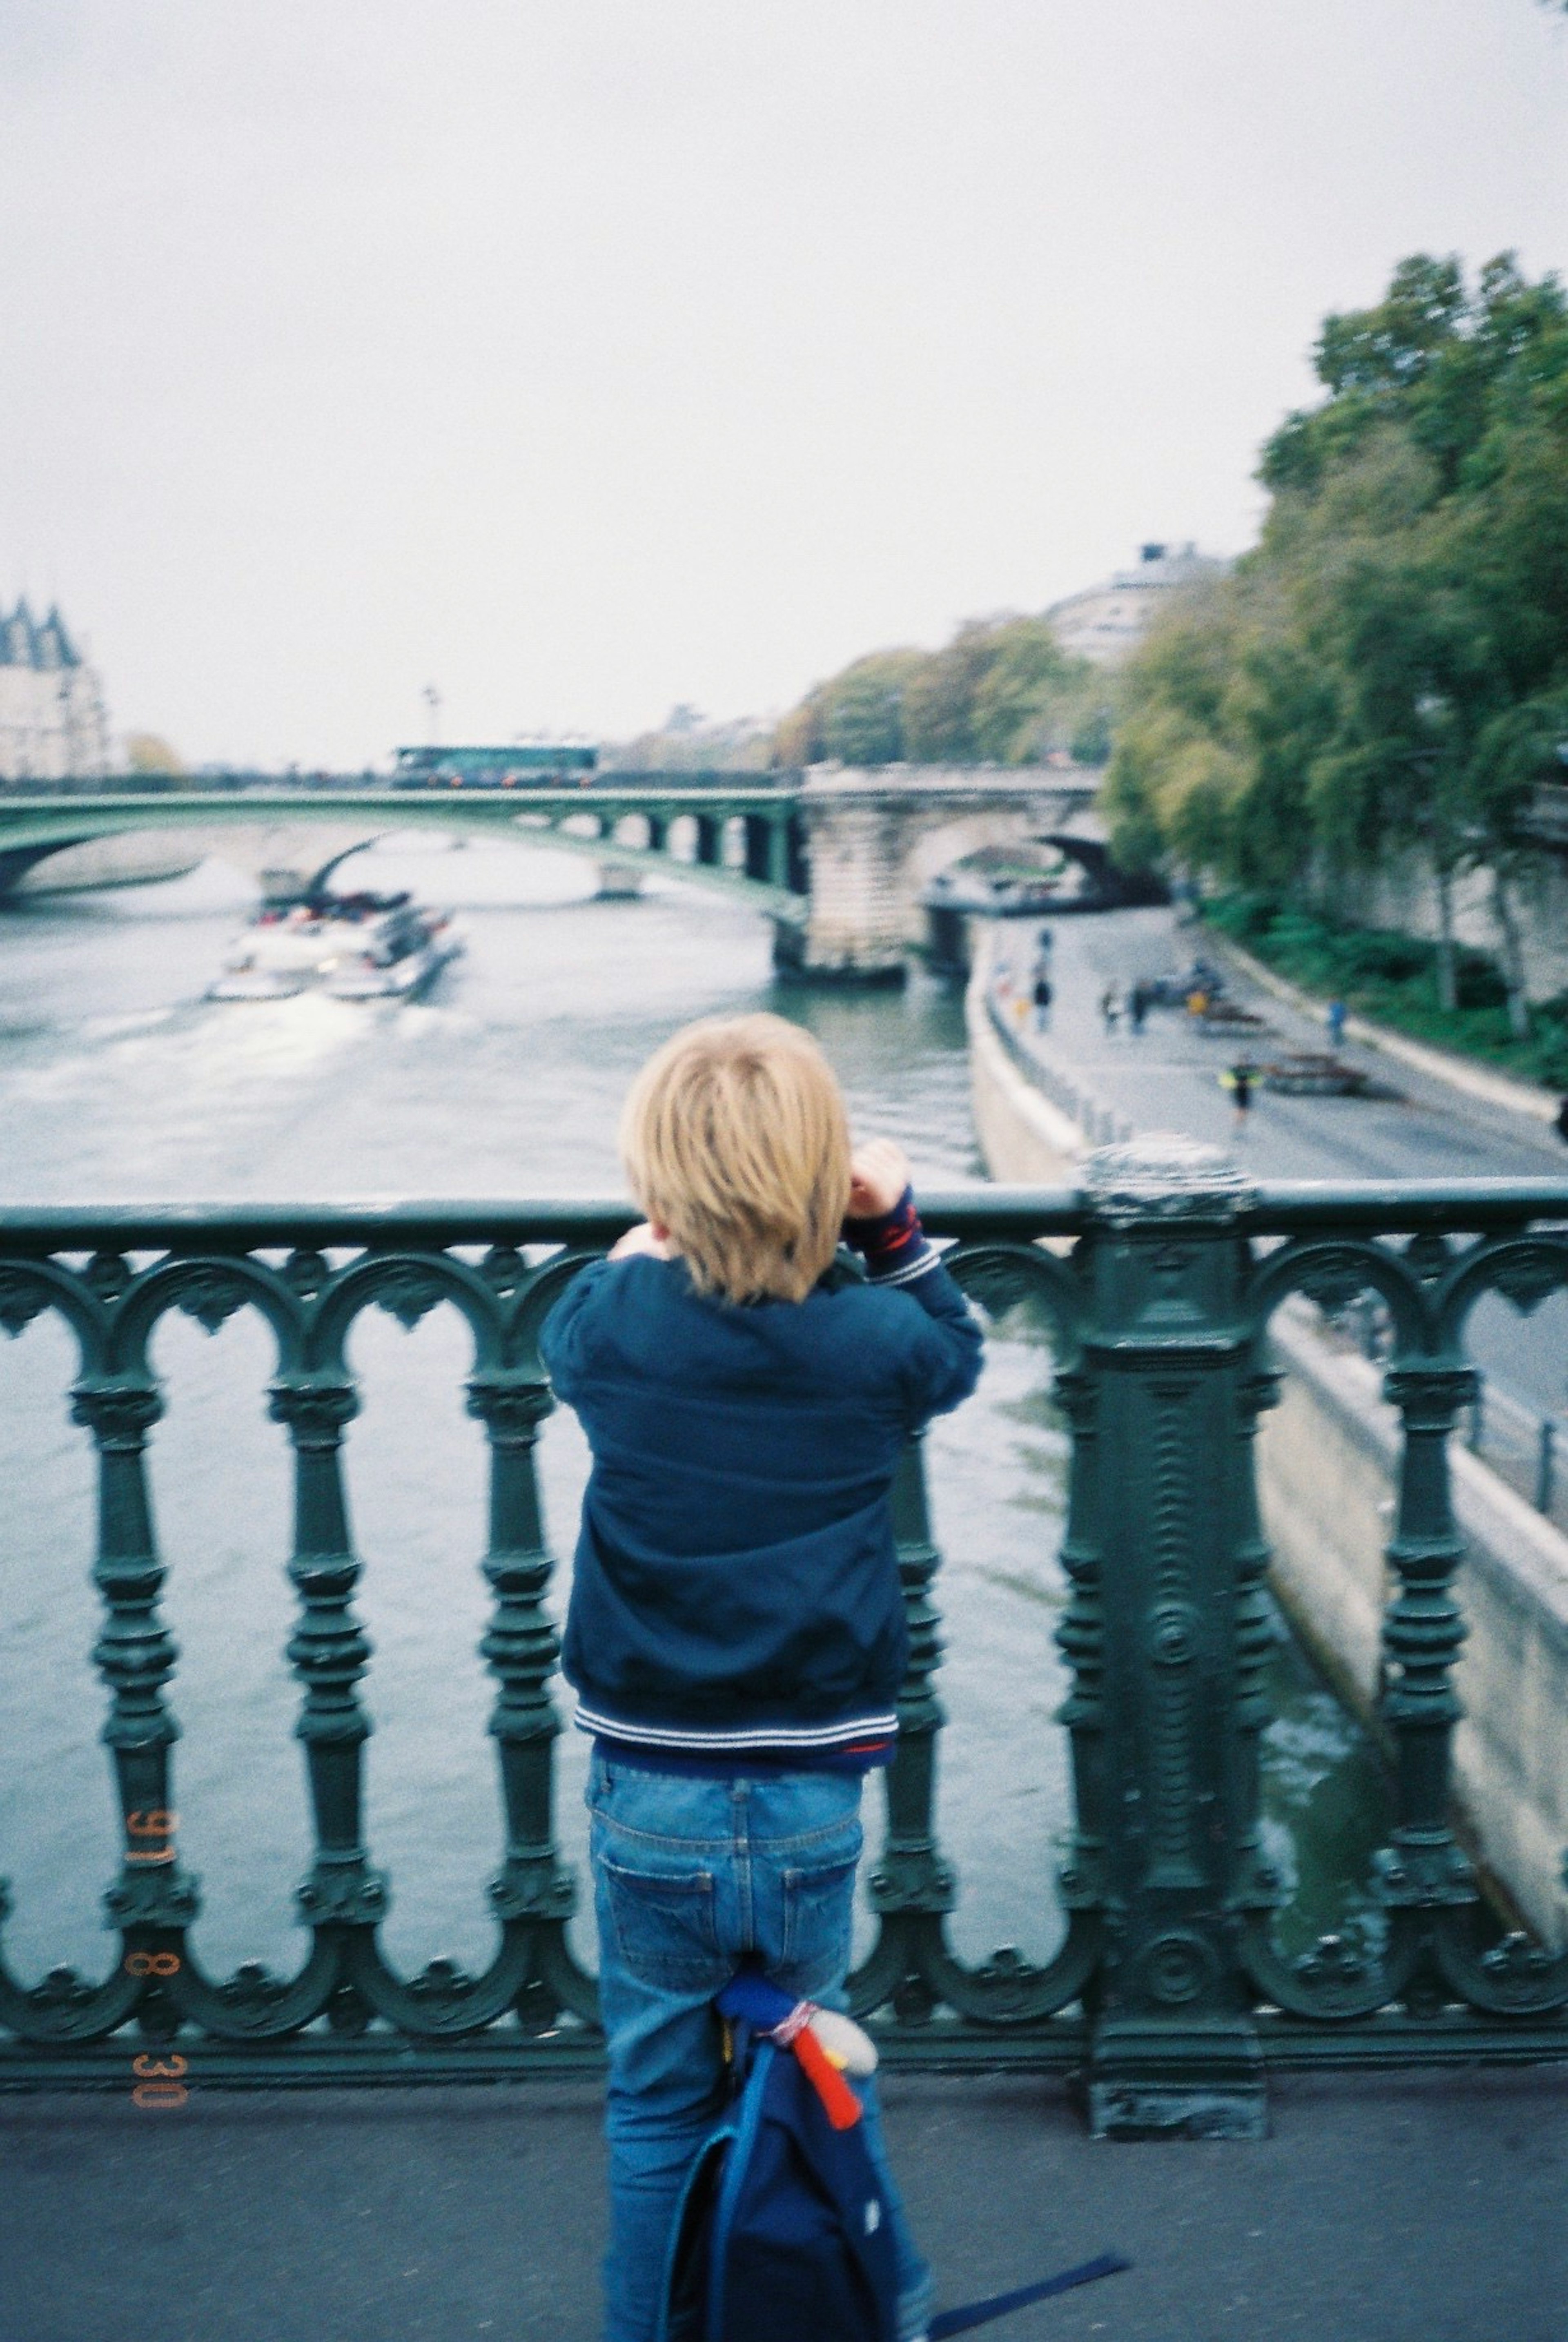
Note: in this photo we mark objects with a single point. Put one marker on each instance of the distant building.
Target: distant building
(1106, 623)
(53, 726)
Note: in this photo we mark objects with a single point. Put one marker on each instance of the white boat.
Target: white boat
(356, 946)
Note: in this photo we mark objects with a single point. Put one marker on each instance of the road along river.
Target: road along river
(120, 1082)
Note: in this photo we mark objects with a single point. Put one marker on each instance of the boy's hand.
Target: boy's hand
(878, 1175)
(644, 1238)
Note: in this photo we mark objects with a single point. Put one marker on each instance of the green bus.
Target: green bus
(537, 764)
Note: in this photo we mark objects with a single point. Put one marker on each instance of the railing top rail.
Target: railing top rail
(1405, 1207)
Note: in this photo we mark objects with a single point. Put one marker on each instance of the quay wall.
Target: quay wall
(1328, 1458)
(1327, 1462)
(1023, 1136)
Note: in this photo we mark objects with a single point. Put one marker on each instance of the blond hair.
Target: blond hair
(735, 1139)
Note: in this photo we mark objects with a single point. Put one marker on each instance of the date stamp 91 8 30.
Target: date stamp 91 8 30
(159, 2078)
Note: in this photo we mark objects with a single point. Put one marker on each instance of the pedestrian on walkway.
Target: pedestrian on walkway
(1336, 1015)
(737, 1632)
(1560, 1123)
(1110, 1007)
(1239, 1082)
(1042, 997)
(1138, 1006)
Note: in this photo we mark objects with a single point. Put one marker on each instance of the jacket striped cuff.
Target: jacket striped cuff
(904, 1268)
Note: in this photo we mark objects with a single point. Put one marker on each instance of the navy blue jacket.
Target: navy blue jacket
(735, 1583)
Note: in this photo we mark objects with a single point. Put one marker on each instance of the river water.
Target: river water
(120, 1082)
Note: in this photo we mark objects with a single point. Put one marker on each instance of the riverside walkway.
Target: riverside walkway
(1415, 2208)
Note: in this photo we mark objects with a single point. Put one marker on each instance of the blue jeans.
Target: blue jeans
(689, 1877)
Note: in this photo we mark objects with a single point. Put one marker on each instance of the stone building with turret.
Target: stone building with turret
(53, 724)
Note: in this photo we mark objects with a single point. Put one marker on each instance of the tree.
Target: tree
(1002, 691)
(1387, 671)
(147, 753)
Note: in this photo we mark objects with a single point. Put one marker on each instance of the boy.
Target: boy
(736, 1632)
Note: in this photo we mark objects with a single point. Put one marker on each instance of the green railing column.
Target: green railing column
(1081, 1639)
(135, 1654)
(1422, 1635)
(1167, 1350)
(1254, 1885)
(521, 1648)
(329, 1651)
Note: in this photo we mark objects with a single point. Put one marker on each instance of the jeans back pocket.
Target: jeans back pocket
(662, 1924)
(818, 1918)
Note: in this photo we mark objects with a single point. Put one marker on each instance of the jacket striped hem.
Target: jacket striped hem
(738, 1736)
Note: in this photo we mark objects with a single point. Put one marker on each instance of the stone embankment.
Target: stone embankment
(1328, 1459)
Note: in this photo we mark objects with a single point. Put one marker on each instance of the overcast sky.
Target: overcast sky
(580, 357)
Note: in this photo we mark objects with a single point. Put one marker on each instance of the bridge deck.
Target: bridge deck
(1425, 2208)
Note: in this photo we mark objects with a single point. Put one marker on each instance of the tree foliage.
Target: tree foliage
(1002, 691)
(147, 752)
(1387, 671)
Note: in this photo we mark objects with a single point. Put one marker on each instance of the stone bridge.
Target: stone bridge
(837, 859)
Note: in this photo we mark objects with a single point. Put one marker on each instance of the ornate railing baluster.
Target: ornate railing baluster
(520, 1648)
(1422, 1631)
(153, 1899)
(1254, 1886)
(1081, 1639)
(329, 1651)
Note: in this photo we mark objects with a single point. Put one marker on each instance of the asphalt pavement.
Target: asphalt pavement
(1415, 2208)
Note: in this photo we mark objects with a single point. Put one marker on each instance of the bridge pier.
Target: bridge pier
(872, 842)
(852, 930)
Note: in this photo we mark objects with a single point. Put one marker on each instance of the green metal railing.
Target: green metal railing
(1169, 1995)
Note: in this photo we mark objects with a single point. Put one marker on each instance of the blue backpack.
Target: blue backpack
(782, 2232)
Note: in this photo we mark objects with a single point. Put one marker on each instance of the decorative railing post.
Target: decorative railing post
(1081, 1639)
(329, 1651)
(1166, 1348)
(521, 1648)
(1255, 1885)
(1423, 1868)
(135, 1654)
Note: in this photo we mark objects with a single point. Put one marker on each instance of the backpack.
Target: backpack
(781, 2233)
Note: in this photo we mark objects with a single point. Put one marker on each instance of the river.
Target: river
(120, 1082)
